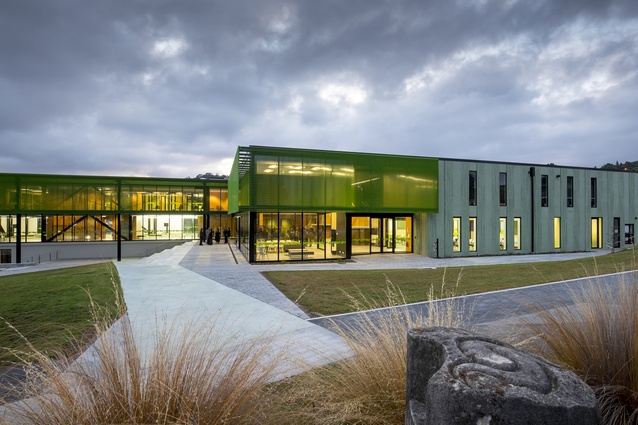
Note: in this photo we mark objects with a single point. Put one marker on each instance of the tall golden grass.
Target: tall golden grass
(597, 337)
(193, 375)
(369, 386)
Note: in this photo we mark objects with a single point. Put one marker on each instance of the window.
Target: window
(503, 234)
(456, 234)
(570, 191)
(472, 240)
(502, 193)
(629, 234)
(616, 234)
(594, 192)
(544, 190)
(5, 255)
(517, 233)
(472, 188)
(596, 232)
(556, 232)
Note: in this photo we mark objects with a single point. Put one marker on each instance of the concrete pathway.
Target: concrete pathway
(161, 293)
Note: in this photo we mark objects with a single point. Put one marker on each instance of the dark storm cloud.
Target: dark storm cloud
(171, 88)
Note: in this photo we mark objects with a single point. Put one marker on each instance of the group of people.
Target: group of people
(208, 235)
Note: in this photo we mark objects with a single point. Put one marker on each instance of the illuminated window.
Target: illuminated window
(472, 240)
(502, 234)
(556, 232)
(517, 233)
(596, 232)
(456, 234)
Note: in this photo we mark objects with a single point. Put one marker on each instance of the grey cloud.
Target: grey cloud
(158, 81)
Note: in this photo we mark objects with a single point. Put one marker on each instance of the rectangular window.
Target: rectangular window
(544, 190)
(472, 188)
(556, 232)
(502, 234)
(456, 234)
(502, 194)
(472, 240)
(5, 255)
(517, 233)
(570, 191)
(616, 232)
(596, 232)
(629, 234)
(594, 192)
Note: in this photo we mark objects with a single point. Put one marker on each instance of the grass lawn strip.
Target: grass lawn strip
(323, 292)
(52, 308)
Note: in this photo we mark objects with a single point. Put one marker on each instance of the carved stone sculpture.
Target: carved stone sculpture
(457, 377)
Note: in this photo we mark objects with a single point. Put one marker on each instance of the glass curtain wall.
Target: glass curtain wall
(294, 236)
(300, 201)
(76, 228)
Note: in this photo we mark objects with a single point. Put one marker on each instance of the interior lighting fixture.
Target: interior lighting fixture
(365, 181)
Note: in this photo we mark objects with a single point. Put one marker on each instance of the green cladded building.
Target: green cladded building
(285, 204)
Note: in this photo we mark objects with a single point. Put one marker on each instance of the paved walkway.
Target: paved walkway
(192, 285)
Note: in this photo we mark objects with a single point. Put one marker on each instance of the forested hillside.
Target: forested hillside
(626, 166)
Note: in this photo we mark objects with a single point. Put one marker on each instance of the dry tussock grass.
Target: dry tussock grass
(596, 337)
(368, 387)
(193, 375)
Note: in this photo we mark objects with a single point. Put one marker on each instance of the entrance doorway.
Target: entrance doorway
(380, 233)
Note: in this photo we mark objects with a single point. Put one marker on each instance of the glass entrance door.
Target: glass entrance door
(375, 235)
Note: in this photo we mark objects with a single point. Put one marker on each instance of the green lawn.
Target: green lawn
(322, 292)
(52, 308)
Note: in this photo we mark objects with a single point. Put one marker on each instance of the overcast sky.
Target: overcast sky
(171, 88)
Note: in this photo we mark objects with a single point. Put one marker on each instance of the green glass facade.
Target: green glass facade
(55, 208)
(280, 179)
(298, 204)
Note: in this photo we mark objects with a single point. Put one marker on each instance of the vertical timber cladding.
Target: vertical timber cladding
(283, 179)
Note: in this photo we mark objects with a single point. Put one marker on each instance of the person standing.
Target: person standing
(202, 235)
(209, 236)
(218, 235)
(226, 234)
